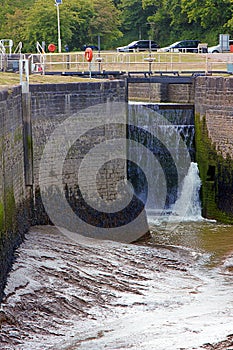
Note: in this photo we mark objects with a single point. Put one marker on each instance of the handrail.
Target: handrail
(18, 48)
(39, 48)
(2, 48)
(7, 44)
(109, 61)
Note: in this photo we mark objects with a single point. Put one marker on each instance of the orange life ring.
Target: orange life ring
(88, 54)
(51, 47)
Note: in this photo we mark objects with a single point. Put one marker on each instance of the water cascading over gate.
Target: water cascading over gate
(167, 130)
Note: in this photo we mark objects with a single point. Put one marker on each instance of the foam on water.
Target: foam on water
(188, 205)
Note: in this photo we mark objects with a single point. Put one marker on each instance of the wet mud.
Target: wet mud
(92, 294)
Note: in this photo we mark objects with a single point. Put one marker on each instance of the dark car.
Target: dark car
(182, 46)
(93, 47)
(139, 45)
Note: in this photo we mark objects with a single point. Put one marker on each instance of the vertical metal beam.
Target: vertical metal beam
(58, 28)
(27, 127)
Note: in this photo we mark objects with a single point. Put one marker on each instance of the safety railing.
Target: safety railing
(154, 62)
(10, 61)
(18, 48)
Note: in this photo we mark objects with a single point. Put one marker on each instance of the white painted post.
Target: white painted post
(57, 3)
(24, 74)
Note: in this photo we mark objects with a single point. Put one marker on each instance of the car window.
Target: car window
(188, 44)
(193, 43)
(181, 44)
(133, 43)
(175, 44)
(140, 44)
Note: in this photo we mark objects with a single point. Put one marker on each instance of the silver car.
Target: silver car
(139, 45)
(182, 46)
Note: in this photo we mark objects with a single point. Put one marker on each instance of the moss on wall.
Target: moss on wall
(10, 210)
(216, 173)
(2, 225)
(18, 136)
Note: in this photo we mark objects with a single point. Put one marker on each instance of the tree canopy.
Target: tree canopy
(116, 22)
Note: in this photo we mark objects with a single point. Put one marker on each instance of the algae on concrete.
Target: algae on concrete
(216, 174)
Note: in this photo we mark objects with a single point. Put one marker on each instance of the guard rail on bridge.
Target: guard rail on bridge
(131, 62)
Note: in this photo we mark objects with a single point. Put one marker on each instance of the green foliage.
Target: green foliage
(210, 15)
(116, 21)
(105, 22)
(80, 21)
(135, 20)
(41, 22)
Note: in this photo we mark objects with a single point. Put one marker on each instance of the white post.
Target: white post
(24, 75)
(90, 70)
(58, 29)
(57, 3)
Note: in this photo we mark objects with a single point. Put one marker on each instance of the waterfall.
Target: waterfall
(169, 135)
(188, 205)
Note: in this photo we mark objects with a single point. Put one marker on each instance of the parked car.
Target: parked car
(139, 45)
(182, 46)
(93, 47)
(219, 48)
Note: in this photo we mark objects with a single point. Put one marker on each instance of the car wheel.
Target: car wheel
(215, 51)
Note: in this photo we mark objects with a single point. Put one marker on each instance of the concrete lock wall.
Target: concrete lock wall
(214, 145)
(28, 120)
(51, 105)
(161, 92)
(26, 123)
(14, 196)
(212, 99)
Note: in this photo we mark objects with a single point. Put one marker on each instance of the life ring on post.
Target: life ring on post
(88, 54)
(52, 48)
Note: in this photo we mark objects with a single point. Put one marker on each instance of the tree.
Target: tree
(213, 16)
(135, 24)
(12, 16)
(105, 22)
(80, 22)
(41, 23)
(164, 21)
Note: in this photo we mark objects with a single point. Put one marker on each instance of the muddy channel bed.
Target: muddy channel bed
(92, 294)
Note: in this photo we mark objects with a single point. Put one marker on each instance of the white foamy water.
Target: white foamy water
(188, 205)
(98, 295)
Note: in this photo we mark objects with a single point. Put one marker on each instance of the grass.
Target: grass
(11, 79)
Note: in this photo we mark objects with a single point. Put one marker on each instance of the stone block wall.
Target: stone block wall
(156, 92)
(14, 197)
(180, 93)
(150, 92)
(51, 106)
(213, 100)
(26, 123)
(214, 145)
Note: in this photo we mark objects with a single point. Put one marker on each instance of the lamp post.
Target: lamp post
(57, 3)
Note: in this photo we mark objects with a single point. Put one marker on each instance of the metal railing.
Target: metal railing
(9, 61)
(18, 48)
(128, 62)
(154, 62)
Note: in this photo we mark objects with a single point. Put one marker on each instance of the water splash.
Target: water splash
(174, 127)
(175, 130)
(188, 205)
